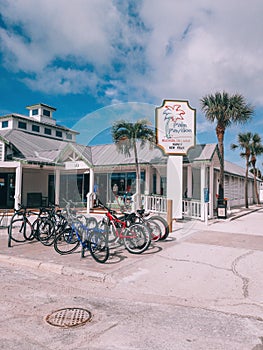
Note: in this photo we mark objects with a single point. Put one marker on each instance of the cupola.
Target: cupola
(42, 113)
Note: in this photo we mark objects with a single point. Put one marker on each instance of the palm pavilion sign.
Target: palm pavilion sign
(175, 127)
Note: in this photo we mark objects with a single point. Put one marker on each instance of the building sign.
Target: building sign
(75, 165)
(175, 127)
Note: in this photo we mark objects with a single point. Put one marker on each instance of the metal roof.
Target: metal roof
(232, 168)
(34, 148)
(41, 105)
(41, 149)
(108, 155)
(202, 152)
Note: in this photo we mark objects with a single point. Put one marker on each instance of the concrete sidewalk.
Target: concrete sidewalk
(35, 255)
(210, 273)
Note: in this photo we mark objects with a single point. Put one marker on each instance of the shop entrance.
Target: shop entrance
(7, 190)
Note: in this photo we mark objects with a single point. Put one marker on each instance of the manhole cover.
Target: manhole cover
(69, 317)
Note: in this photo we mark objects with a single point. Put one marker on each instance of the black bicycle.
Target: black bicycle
(21, 229)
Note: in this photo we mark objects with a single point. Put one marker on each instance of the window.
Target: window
(58, 133)
(69, 136)
(122, 183)
(35, 128)
(34, 111)
(5, 124)
(47, 131)
(46, 113)
(22, 125)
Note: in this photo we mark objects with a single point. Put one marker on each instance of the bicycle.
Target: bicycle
(135, 237)
(70, 211)
(161, 222)
(92, 239)
(52, 222)
(157, 225)
(49, 223)
(20, 228)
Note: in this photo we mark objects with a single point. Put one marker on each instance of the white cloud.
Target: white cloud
(199, 46)
(144, 50)
(63, 81)
(58, 29)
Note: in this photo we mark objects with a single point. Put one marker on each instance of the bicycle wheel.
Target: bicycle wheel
(155, 229)
(66, 242)
(98, 246)
(163, 225)
(16, 229)
(137, 238)
(45, 231)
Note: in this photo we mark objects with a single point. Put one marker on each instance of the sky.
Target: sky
(98, 61)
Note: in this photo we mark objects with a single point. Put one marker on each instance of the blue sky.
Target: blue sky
(98, 61)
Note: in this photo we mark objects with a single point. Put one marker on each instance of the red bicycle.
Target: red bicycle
(136, 237)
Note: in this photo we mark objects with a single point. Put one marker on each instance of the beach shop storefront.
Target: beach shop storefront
(41, 163)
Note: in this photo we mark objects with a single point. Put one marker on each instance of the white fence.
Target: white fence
(156, 204)
(192, 209)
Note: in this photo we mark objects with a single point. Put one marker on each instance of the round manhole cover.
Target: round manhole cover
(69, 317)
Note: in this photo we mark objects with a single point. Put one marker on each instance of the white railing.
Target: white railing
(157, 204)
(5, 218)
(192, 209)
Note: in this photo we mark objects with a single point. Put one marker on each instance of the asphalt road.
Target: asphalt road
(201, 289)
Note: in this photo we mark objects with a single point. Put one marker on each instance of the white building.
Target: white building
(41, 163)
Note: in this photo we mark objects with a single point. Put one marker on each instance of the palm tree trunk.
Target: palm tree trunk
(253, 162)
(138, 177)
(220, 131)
(246, 183)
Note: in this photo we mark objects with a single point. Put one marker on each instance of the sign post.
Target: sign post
(175, 134)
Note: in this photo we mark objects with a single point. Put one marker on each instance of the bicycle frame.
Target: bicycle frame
(114, 221)
(24, 213)
(87, 231)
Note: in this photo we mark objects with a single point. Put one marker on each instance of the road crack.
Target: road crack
(245, 280)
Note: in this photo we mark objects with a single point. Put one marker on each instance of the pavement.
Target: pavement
(217, 265)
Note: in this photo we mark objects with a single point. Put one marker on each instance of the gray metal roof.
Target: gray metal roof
(34, 148)
(107, 155)
(40, 149)
(202, 152)
(232, 168)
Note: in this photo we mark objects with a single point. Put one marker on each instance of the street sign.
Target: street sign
(175, 127)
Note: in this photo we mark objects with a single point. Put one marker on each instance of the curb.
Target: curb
(54, 268)
(245, 213)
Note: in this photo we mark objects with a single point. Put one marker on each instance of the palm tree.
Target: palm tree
(245, 144)
(126, 135)
(226, 110)
(258, 173)
(256, 150)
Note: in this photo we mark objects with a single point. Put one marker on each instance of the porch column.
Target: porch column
(158, 182)
(57, 186)
(189, 182)
(18, 185)
(175, 184)
(91, 190)
(147, 180)
(203, 184)
(211, 191)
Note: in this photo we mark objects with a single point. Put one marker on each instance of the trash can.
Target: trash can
(222, 209)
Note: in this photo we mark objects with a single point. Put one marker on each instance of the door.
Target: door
(3, 190)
